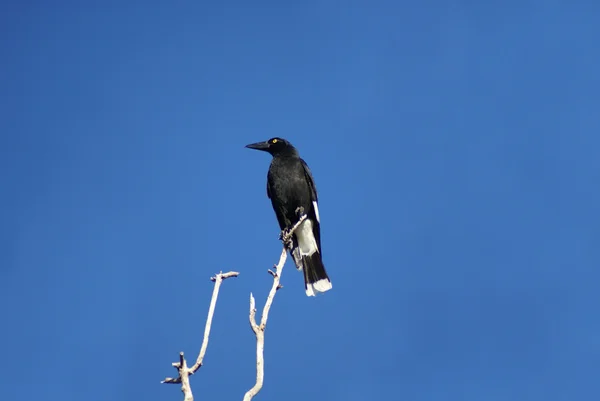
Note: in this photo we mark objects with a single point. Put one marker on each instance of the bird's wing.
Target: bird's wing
(314, 212)
(311, 182)
(268, 190)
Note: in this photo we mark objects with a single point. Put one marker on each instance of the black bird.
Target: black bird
(290, 185)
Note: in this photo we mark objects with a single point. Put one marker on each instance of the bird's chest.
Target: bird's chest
(287, 184)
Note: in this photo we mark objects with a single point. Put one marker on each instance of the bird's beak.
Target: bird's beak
(259, 146)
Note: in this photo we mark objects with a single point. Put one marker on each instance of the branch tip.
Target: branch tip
(259, 330)
(222, 276)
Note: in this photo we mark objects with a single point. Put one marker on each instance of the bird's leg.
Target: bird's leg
(285, 234)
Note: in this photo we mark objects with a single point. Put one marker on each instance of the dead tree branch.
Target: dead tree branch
(259, 330)
(181, 366)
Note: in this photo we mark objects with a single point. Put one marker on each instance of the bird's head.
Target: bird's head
(275, 146)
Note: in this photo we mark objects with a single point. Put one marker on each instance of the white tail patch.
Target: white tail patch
(320, 286)
(316, 210)
(306, 238)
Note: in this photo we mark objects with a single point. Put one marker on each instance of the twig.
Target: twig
(259, 330)
(181, 366)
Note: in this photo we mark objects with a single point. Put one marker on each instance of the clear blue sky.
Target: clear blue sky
(454, 147)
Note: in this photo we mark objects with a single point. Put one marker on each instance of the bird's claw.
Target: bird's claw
(283, 234)
(285, 237)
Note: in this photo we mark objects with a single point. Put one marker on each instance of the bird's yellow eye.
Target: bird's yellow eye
(274, 141)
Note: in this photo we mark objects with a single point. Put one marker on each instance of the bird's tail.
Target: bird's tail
(315, 276)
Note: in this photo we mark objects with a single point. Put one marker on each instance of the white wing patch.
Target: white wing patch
(316, 210)
(306, 239)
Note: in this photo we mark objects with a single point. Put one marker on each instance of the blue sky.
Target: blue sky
(454, 146)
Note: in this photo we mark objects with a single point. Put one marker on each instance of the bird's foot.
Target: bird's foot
(286, 237)
(286, 234)
(283, 234)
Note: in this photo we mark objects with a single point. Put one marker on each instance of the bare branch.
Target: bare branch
(253, 314)
(276, 278)
(181, 366)
(218, 279)
(259, 331)
(184, 378)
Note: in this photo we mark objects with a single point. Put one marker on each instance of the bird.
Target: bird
(292, 190)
